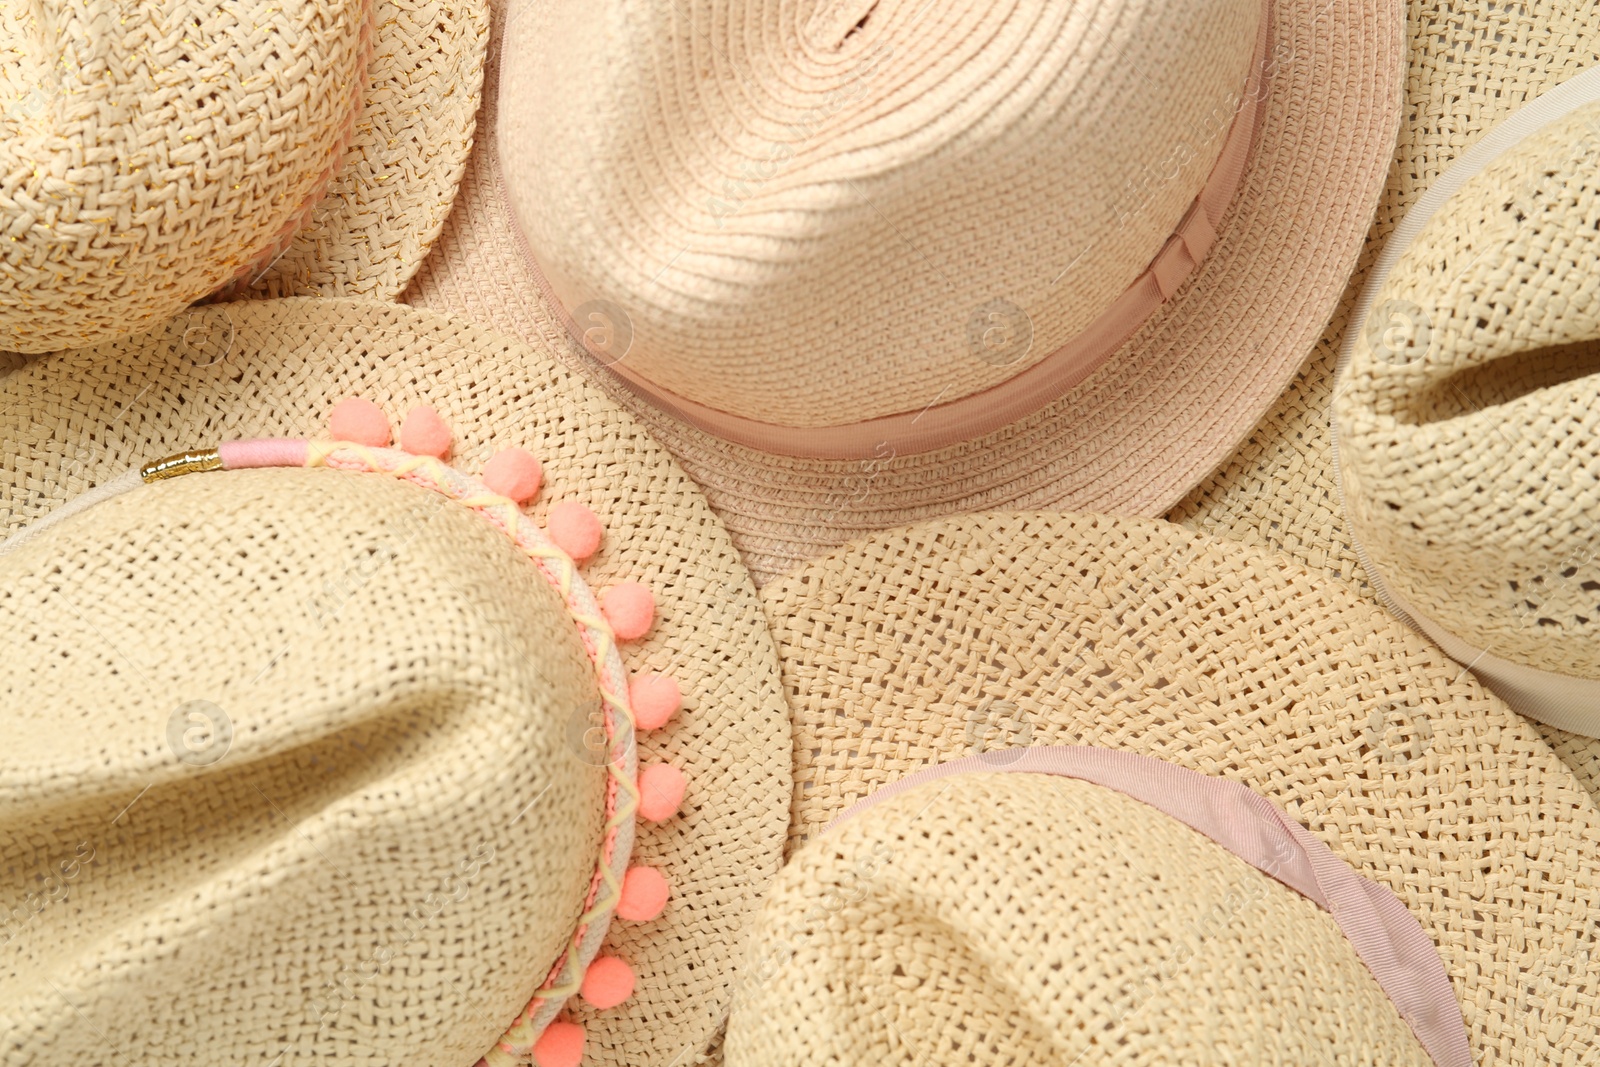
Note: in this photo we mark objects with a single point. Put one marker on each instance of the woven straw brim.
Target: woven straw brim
(1024, 918)
(385, 207)
(920, 645)
(1137, 434)
(1278, 490)
(76, 419)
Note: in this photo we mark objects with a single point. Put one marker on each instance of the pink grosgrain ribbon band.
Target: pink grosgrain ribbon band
(1386, 936)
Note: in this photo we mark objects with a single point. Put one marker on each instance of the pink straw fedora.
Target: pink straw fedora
(877, 265)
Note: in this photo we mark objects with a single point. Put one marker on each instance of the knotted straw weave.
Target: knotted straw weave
(1471, 455)
(275, 368)
(406, 157)
(934, 641)
(1028, 919)
(1471, 64)
(347, 879)
(151, 152)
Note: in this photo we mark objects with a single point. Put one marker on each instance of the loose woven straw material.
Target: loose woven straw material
(1023, 918)
(1136, 434)
(1470, 66)
(407, 153)
(1469, 433)
(83, 417)
(347, 880)
(920, 645)
(150, 153)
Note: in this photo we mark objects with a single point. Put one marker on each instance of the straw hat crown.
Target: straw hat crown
(1024, 918)
(813, 218)
(152, 152)
(1468, 433)
(268, 758)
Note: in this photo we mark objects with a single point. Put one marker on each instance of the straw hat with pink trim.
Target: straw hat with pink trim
(154, 152)
(877, 262)
(1196, 721)
(328, 742)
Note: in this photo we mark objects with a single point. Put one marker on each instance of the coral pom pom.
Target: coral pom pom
(607, 982)
(574, 529)
(360, 421)
(644, 894)
(423, 433)
(513, 473)
(661, 789)
(629, 608)
(655, 699)
(561, 1045)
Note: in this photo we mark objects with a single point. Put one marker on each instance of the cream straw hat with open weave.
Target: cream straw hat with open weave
(978, 634)
(338, 755)
(151, 153)
(1057, 905)
(1280, 489)
(858, 264)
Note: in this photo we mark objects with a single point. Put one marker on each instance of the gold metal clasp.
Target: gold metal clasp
(196, 459)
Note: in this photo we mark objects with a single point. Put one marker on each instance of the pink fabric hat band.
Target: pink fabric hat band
(941, 425)
(1388, 938)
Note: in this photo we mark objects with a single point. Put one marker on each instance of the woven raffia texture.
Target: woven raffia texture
(1471, 64)
(864, 141)
(1136, 434)
(151, 152)
(344, 879)
(920, 645)
(406, 156)
(1028, 919)
(1469, 423)
(275, 368)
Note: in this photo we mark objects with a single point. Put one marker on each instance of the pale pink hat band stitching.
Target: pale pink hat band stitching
(941, 425)
(1386, 936)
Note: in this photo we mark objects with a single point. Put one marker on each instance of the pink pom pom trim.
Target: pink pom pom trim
(561, 1045)
(630, 608)
(655, 699)
(607, 983)
(424, 433)
(644, 894)
(514, 474)
(661, 789)
(359, 421)
(574, 528)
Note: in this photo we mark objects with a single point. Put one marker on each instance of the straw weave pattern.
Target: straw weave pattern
(350, 880)
(1026, 919)
(150, 154)
(920, 645)
(1472, 462)
(1278, 489)
(83, 417)
(407, 153)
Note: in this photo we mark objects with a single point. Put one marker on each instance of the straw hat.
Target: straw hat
(1056, 905)
(884, 265)
(982, 633)
(1467, 421)
(156, 152)
(329, 755)
(1280, 490)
